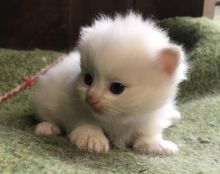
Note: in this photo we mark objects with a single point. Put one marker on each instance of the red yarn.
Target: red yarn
(28, 82)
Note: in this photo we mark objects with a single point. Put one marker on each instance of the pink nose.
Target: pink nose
(93, 101)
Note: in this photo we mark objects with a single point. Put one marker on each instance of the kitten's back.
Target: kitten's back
(52, 87)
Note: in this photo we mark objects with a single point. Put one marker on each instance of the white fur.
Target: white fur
(47, 128)
(126, 50)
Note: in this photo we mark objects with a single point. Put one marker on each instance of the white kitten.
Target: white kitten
(120, 88)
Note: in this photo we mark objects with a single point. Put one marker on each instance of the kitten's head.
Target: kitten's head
(128, 66)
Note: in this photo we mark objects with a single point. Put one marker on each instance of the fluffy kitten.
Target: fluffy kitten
(120, 87)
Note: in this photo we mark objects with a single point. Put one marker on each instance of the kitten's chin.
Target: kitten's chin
(96, 111)
(100, 114)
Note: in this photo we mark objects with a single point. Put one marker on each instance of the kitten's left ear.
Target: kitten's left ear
(170, 58)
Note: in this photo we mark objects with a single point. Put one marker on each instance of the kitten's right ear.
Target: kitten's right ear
(170, 58)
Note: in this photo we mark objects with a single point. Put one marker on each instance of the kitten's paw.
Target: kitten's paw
(162, 147)
(87, 138)
(47, 128)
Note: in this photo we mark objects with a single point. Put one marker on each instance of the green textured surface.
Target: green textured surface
(197, 135)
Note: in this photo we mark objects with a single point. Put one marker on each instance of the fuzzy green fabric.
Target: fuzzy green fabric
(197, 135)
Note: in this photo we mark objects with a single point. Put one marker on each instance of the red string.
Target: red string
(28, 82)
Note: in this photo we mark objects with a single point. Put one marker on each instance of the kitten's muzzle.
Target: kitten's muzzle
(94, 103)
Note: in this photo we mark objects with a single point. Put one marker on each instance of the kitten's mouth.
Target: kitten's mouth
(95, 106)
(97, 109)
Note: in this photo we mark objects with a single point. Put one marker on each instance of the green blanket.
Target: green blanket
(197, 135)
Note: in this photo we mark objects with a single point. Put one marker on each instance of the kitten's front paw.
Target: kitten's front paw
(161, 147)
(88, 138)
(47, 128)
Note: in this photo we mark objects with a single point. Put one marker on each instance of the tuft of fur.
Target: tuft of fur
(128, 50)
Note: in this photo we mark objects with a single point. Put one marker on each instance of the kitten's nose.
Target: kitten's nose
(92, 100)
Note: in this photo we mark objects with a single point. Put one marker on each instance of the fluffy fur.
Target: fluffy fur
(127, 50)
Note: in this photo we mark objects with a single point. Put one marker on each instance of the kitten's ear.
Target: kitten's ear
(170, 58)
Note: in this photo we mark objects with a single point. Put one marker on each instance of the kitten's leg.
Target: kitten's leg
(89, 138)
(150, 141)
(169, 114)
(47, 128)
(155, 145)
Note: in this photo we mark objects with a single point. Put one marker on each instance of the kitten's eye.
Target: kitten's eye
(88, 79)
(117, 88)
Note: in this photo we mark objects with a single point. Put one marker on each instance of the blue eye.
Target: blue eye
(117, 88)
(88, 79)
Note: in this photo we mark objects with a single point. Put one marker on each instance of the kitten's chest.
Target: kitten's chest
(121, 135)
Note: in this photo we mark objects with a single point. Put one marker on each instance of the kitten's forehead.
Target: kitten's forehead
(116, 50)
(122, 61)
